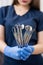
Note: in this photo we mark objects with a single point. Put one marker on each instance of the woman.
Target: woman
(21, 12)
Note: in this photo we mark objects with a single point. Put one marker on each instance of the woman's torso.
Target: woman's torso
(30, 18)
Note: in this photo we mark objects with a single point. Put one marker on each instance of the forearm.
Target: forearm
(38, 48)
(2, 46)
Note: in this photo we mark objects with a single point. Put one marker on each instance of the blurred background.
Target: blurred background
(37, 3)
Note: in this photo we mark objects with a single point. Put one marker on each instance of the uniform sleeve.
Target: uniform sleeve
(1, 17)
(40, 23)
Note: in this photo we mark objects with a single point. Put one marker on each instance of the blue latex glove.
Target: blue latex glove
(12, 52)
(26, 52)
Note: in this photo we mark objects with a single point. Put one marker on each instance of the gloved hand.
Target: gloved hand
(26, 52)
(12, 52)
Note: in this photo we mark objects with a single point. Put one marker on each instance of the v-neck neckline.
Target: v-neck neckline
(23, 14)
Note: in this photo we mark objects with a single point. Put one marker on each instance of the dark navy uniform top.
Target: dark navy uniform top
(34, 18)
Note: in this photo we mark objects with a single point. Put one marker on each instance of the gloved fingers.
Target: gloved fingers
(25, 57)
(28, 49)
(31, 48)
(24, 54)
